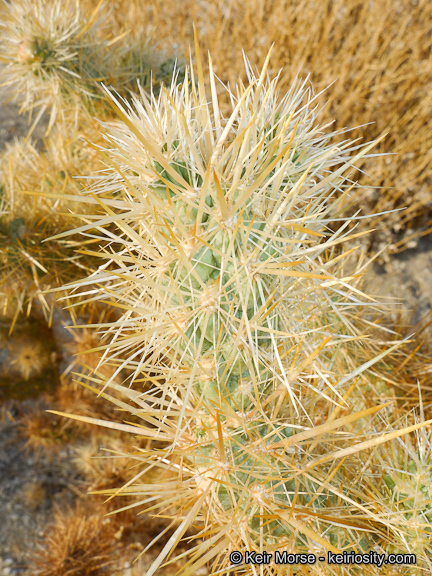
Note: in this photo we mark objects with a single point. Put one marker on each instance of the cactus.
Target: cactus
(80, 541)
(237, 326)
(57, 53)
(29, 214)
(405, 495)
(236, 336)
(53, 56)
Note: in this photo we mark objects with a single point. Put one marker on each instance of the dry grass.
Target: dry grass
(378, 53)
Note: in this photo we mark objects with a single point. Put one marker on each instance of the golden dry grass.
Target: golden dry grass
(378, 53)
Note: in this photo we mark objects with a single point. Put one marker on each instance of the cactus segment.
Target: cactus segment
(236, 321)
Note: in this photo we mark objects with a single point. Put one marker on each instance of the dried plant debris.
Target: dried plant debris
(80, 542)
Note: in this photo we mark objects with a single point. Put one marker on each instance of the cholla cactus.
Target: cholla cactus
(405, 493)
(52, 55)
(80, 541)
(237, 326)
(57, 53)
(30, 213)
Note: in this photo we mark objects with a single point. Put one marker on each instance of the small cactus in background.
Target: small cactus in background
(79, 541)
(53, 56)
(56, 55)
(30, 183)
(237, 323)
